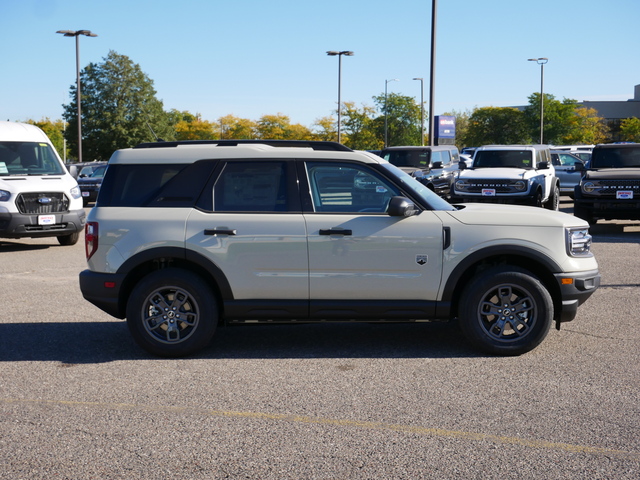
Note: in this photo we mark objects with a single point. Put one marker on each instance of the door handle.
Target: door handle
(335, 231)
(220, 231)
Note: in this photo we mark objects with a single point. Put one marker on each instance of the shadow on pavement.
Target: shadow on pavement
(100, 342)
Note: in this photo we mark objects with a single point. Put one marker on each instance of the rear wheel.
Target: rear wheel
(554, 198)
(172, 313)
(506, 311)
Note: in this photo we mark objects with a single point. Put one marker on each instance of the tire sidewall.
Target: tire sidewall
(477, 290)
(201, 293)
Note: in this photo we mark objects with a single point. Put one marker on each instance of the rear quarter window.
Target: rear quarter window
(159, 185)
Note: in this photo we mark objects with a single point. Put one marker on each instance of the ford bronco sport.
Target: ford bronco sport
(187, 236)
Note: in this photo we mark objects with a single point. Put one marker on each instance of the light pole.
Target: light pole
(386, 129)
(541, 61)
(333, 53)
(77, 33)
(421, 110)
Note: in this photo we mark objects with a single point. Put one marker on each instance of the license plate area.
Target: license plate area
(488, 192)
(46, 219)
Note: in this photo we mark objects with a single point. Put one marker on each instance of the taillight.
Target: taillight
(90, 238)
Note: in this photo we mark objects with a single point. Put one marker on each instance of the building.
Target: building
(614, 112)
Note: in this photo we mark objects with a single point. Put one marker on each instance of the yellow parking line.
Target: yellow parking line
(432, 432)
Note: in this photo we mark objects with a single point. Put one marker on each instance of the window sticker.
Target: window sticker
(3, 168)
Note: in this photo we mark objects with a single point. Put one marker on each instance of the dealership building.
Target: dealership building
(614, 112)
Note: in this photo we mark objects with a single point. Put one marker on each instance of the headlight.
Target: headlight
(4, 196)
(75, 192)
(589, 187)
(461, 185)
(578, 242)
(520, 185)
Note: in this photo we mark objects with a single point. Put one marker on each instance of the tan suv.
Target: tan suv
(188, 236)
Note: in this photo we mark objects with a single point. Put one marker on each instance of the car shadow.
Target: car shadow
(102, 342)
(23, 247)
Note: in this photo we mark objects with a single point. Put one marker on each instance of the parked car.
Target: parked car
(433, 166)
(90, 184)
(190, 236)
(565, 164)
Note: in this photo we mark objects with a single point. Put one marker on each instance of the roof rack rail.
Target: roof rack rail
(314, 144)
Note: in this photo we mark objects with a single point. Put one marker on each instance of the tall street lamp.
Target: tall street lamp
(541, 61)
(386, 128)
(77, 33)
(421, 110)
(333, 53)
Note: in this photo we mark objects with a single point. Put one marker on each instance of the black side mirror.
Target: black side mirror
(543, 165)
(436, 164)
(401, 207)
(462, 165)
(580, 166)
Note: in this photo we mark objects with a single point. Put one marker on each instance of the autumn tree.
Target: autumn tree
(55, 131)
(279, 127)
(630, 129)
(558, 118)
(360, 127)
(586, 128)
(232, 127)
(119, 109)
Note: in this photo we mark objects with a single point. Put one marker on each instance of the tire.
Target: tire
(537, 200)
(505, 311)
(554, 198)
(172, 313)
(70, 239)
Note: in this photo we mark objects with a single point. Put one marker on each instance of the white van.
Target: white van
(38, 196)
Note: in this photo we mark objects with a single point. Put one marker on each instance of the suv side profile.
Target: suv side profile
(517, 174)
(610, 187)
(189, 236)
(434, 166)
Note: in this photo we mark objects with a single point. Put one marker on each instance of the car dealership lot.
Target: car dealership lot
(78, 399)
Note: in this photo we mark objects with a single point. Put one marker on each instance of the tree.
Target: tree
(403, 119)
(586, 128)
(279, 127)
(325, 129)
(237, 128)
(55, 132)
(462, 126)
(119, 109)
(558, 117)
(630, 129)
(360, 128)
(496, 125)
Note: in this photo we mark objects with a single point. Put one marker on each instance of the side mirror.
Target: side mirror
(436, 165)
(543, 165)
(462, 165)
(580, 166)
(401, 207)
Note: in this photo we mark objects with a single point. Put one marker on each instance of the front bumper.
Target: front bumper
(19, 225)
(575, 289)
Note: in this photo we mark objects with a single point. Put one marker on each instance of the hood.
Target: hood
(480, 173)
(613, 174)
(513, 216)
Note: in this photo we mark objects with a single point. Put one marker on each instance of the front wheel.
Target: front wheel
(172, 313)
(505, 311)
(70, 239)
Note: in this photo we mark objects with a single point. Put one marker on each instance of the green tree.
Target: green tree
(325, 128)
(279, 127)
(403, 119)
(462, 126)
(558, 118)
(119, 109)
(630, 129)
(496, 125)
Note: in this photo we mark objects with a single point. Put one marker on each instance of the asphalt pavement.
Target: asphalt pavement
(79, 400)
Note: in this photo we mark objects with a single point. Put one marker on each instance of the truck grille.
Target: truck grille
(500, 186)
(610, 187)
(42, 202)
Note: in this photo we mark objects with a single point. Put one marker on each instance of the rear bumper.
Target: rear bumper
(103, 291)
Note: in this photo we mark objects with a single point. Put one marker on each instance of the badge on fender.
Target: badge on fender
(422, 259)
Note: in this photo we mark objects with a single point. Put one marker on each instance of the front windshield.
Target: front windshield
(622, 157)
(503, 159)
(429, 197)
(409, 158)
(28, 158)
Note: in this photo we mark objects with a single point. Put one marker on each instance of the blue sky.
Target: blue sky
(256, 57)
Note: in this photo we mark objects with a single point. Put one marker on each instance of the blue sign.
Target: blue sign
(446, 126)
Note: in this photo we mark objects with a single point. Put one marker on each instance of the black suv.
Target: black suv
(610, 188)
(434, 166)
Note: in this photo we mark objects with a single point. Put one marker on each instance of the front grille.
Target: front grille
(500, 186)
(610, 187)
(42, 202)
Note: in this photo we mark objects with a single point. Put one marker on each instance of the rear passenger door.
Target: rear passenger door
(251, 226)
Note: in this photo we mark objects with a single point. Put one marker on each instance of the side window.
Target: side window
(248, 186)
(346, 188)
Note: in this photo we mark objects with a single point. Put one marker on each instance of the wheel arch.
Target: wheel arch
(528, 259)
(154, 259)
